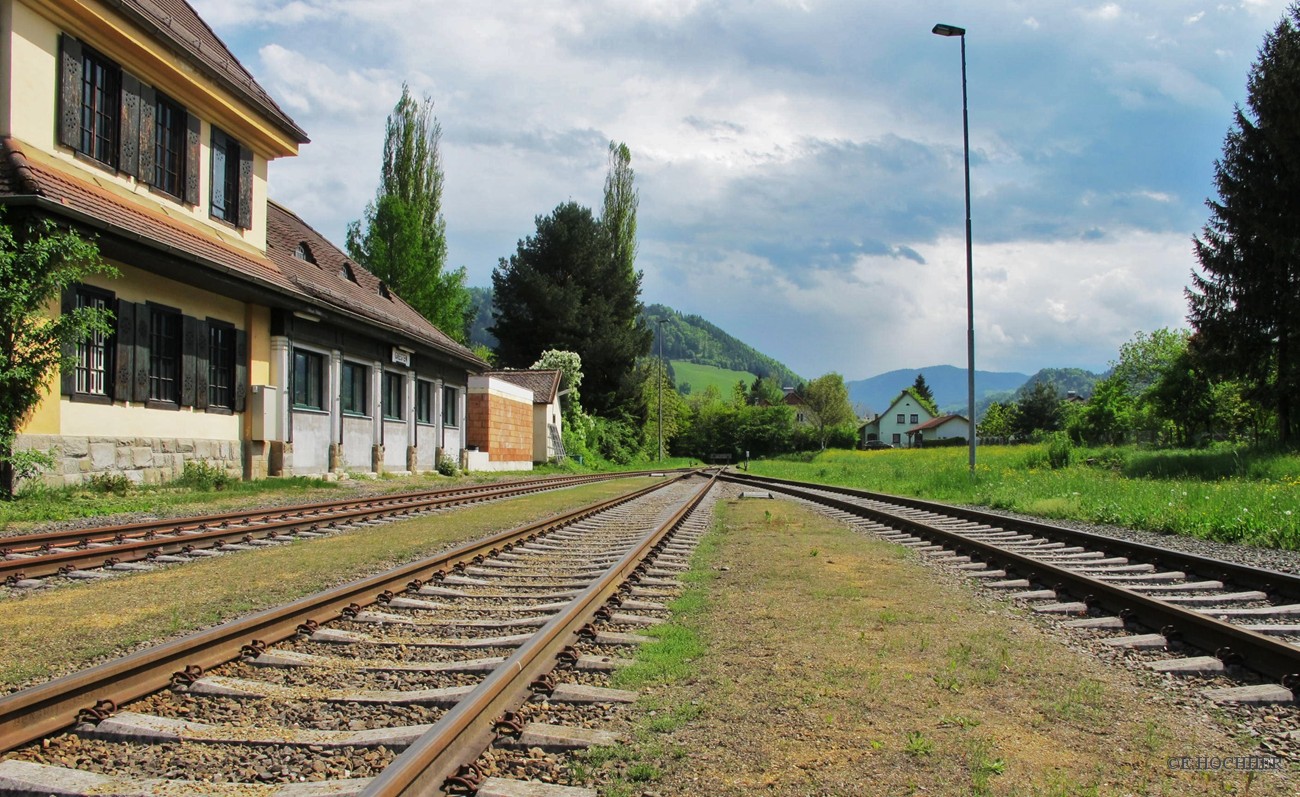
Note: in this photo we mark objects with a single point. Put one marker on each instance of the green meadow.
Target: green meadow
(1224, 494)
(700, 377)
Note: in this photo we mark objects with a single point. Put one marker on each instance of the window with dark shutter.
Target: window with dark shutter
(169, 128)
(221, 365)
(100, 109)
(165, 338)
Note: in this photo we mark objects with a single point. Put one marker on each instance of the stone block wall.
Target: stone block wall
(143, 460)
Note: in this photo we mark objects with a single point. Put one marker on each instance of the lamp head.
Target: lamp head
(948, 30)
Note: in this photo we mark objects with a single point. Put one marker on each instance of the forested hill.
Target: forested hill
(691, 338)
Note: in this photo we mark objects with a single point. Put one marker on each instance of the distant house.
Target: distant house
(942, 428)
(895, 424)
(803, 414)
(547, 427)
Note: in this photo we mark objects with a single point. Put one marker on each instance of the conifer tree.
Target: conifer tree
(1244, 302)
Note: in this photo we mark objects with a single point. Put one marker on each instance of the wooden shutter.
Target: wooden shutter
(202, 351)
(148, 120)
(241, 369)
(67, 367)
(245, 187)
(69, 91)
(125, 354)
(128, 156)
(140, 390)
(193, 151)
(189, 351)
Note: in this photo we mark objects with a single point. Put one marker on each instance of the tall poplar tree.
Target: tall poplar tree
(1244, 303)
(403, 236)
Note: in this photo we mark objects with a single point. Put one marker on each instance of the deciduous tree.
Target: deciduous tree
(1244, 300)
(37, 263)
(828, 399)
(404, 239)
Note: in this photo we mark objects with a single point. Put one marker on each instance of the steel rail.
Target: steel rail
(1284, 585)
(467, 729)
(27, 715)
(24, 543)
(1230, 643)
(143, 550)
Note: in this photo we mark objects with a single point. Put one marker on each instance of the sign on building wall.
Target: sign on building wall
(401, 356)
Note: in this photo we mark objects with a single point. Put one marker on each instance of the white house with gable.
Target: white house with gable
(892, 426)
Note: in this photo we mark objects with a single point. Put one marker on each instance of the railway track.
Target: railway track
(26, 560)
(392, 685)
(1238, 617)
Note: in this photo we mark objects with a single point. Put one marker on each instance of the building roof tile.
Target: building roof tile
(178, 26)
(545, 383)
(278, 271)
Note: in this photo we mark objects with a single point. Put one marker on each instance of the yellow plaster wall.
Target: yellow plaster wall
(32, 69)
(57, 415)
(257, 320)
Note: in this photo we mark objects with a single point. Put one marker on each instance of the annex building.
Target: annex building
(243, 338)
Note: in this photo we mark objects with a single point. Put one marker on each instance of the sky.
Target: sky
(800, 162)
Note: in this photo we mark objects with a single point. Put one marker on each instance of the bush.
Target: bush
(1060, 450)
(199, 475)
(116, 483)
(446, 465)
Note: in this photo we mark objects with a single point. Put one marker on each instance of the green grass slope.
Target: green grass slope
(699, 377)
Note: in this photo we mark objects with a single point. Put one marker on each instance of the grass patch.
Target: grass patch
(52, 632)
(797, 693)
(702, 377)
(673, 657)
(1226, 494)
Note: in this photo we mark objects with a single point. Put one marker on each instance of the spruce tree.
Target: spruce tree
(1244, 302)
(573, 285)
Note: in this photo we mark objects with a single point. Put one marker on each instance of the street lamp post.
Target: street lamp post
(953, 30)
(661, 389)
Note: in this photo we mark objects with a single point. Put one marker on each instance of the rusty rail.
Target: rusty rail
(1262, 654)
(140, 542)
(35, 712)
(467, 729)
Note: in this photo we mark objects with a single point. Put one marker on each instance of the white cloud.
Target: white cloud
(1107, 13)
(799, 162)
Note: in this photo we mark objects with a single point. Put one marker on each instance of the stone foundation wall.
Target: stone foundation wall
(143, 460)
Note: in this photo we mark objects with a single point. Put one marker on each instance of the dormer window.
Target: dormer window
(346, 272)
(383, 291)
(303, 252)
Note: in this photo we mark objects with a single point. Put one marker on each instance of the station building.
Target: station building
(243, 338)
